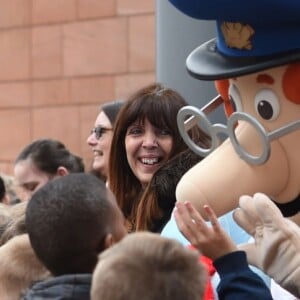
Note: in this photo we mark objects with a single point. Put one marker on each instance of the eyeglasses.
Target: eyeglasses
(99, 130)
(189, 116)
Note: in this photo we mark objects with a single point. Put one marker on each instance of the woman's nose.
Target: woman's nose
(91, 140)
(150, 140)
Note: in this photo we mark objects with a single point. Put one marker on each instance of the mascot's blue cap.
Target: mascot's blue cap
(251, 36)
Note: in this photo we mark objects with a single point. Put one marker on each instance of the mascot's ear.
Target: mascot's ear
(290, 83)
(222, 87)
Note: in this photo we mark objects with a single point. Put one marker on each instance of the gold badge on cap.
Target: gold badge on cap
(237, 35)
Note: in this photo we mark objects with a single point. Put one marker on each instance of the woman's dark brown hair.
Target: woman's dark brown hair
(157, 203)
(159, 105)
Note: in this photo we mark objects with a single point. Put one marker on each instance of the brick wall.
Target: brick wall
(60, 59)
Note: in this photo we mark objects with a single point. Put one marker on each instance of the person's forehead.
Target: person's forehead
(25, 170)
(102, 119)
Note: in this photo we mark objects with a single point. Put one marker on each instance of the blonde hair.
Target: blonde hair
(147, 266)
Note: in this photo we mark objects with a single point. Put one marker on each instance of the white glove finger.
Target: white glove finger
(246, 203)
(246, 216)
(266, 209)
(272, 218)
(244, 221)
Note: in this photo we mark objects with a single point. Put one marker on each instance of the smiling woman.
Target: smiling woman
(101, 135)
(147, 148)
(145, 137)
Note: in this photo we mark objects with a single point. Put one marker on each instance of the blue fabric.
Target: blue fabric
(171, 231)
(237, 280)
(275, 25)
(66, 287)
(267, 39)
(237, 234)
(254, 11)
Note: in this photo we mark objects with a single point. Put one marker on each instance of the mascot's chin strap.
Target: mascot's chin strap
(289, 209)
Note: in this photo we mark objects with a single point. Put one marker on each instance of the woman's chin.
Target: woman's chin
(98, 166)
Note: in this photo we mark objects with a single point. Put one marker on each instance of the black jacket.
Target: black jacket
(66, 287)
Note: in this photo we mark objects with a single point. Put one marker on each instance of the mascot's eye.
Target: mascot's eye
(235, 98)
(267, 104)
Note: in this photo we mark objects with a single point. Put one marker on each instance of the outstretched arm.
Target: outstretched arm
(276, 250)
(237, 280)
(212, 241)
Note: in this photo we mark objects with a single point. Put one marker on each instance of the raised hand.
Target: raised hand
(212, 241)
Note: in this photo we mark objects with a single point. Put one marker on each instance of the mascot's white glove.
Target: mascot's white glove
(276, 249)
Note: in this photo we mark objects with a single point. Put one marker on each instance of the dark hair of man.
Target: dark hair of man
(67, 221)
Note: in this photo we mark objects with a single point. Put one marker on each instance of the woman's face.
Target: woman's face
(101, 145)
(147, 148)
(29, 178)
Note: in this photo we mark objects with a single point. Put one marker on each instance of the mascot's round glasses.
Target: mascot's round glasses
(189, 116)
(99, 130)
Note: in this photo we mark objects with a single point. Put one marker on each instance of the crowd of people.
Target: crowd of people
(79, 233)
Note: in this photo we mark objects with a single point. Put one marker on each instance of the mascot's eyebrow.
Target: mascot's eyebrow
(264, 78)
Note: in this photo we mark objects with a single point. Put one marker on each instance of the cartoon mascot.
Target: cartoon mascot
(255, 63)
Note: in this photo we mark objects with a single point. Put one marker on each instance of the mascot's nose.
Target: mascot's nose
(222, 177)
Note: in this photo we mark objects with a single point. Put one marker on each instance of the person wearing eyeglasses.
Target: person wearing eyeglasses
(101, 136)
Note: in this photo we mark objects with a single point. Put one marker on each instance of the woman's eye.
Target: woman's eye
(134, 130)
(164, 132)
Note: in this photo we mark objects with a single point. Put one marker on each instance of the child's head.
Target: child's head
(71, 220)
(148, 266)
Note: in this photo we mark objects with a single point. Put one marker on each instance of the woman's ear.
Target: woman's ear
(62, 171)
